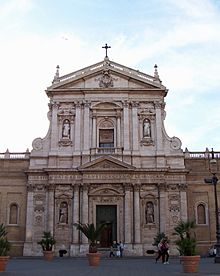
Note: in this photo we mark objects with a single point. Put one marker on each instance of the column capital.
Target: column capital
(85, 186)
(134, 104)
(87, 104)
(162, 186)
(118, 114)
(76, 187)
(50, 187)
(127, 187)
(30, 187)
(125, 104)
(159, 104)
(78, 104)
(137, 187)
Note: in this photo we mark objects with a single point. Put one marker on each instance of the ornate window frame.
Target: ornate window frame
(106, 124)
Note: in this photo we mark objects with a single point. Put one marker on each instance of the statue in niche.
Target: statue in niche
(149, 212)
(66, 129)
(146, 129)
(63, 213)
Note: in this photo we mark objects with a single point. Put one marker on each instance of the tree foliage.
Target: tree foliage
(47, 241)
(91, 232)
(4, 243)
(186, 244)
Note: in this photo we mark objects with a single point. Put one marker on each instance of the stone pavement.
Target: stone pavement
(127, 266)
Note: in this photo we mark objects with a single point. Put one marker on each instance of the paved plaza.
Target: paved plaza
(143, 266)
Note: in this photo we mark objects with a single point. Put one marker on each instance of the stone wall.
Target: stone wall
(13, 182)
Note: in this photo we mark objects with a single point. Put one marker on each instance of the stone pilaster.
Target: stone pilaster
(127, 213)
(94, 130)
(54, 127)
(28, 250)
(118, 130)
(86, 145)
(50, 209)
(85, 208)
(162, 207)
(159, 140)
(183, 202)
(126, 127)
(135, 129)
(75, 218)
(78, 127)
(137, 221)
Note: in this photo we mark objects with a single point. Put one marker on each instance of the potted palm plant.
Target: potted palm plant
(186, 245)
(92, 233)
(47, 242)
(4, 248)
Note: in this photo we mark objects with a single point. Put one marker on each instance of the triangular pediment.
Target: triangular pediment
(106, 75)
(106, 164)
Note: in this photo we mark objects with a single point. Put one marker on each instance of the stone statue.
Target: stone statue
(66, 129)
(149, 213)
(63, 213)
(146, 129)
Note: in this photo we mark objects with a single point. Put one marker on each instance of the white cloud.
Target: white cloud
(12, 7)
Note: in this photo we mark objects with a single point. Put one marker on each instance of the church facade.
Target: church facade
(105, 159)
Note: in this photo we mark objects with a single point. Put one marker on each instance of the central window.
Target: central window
(106, 138)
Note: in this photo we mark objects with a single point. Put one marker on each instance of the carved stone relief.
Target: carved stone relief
(106, 80)
(174, 206)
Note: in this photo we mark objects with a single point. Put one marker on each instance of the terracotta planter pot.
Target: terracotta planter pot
(94, 258)
(3, 262)
(48, 255)
(190, 263)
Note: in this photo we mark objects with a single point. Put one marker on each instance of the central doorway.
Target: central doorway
(107, 214)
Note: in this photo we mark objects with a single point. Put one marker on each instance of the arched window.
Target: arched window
(201, 214)
(13, 214)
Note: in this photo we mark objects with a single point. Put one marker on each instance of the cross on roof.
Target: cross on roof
(106, 49)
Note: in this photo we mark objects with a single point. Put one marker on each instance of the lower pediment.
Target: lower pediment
(106, 163)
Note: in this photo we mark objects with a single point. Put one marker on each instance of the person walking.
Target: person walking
(111, 254)
(165, 252)
(159, 250)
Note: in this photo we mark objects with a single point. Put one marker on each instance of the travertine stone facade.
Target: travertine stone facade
(106, 158)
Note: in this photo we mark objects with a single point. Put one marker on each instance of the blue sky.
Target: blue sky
(181, 37)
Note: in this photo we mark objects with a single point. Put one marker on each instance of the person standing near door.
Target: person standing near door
(111, 254)
(121, 248)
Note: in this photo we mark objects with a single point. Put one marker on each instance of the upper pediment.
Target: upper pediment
(106, 163)
(106, 75)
